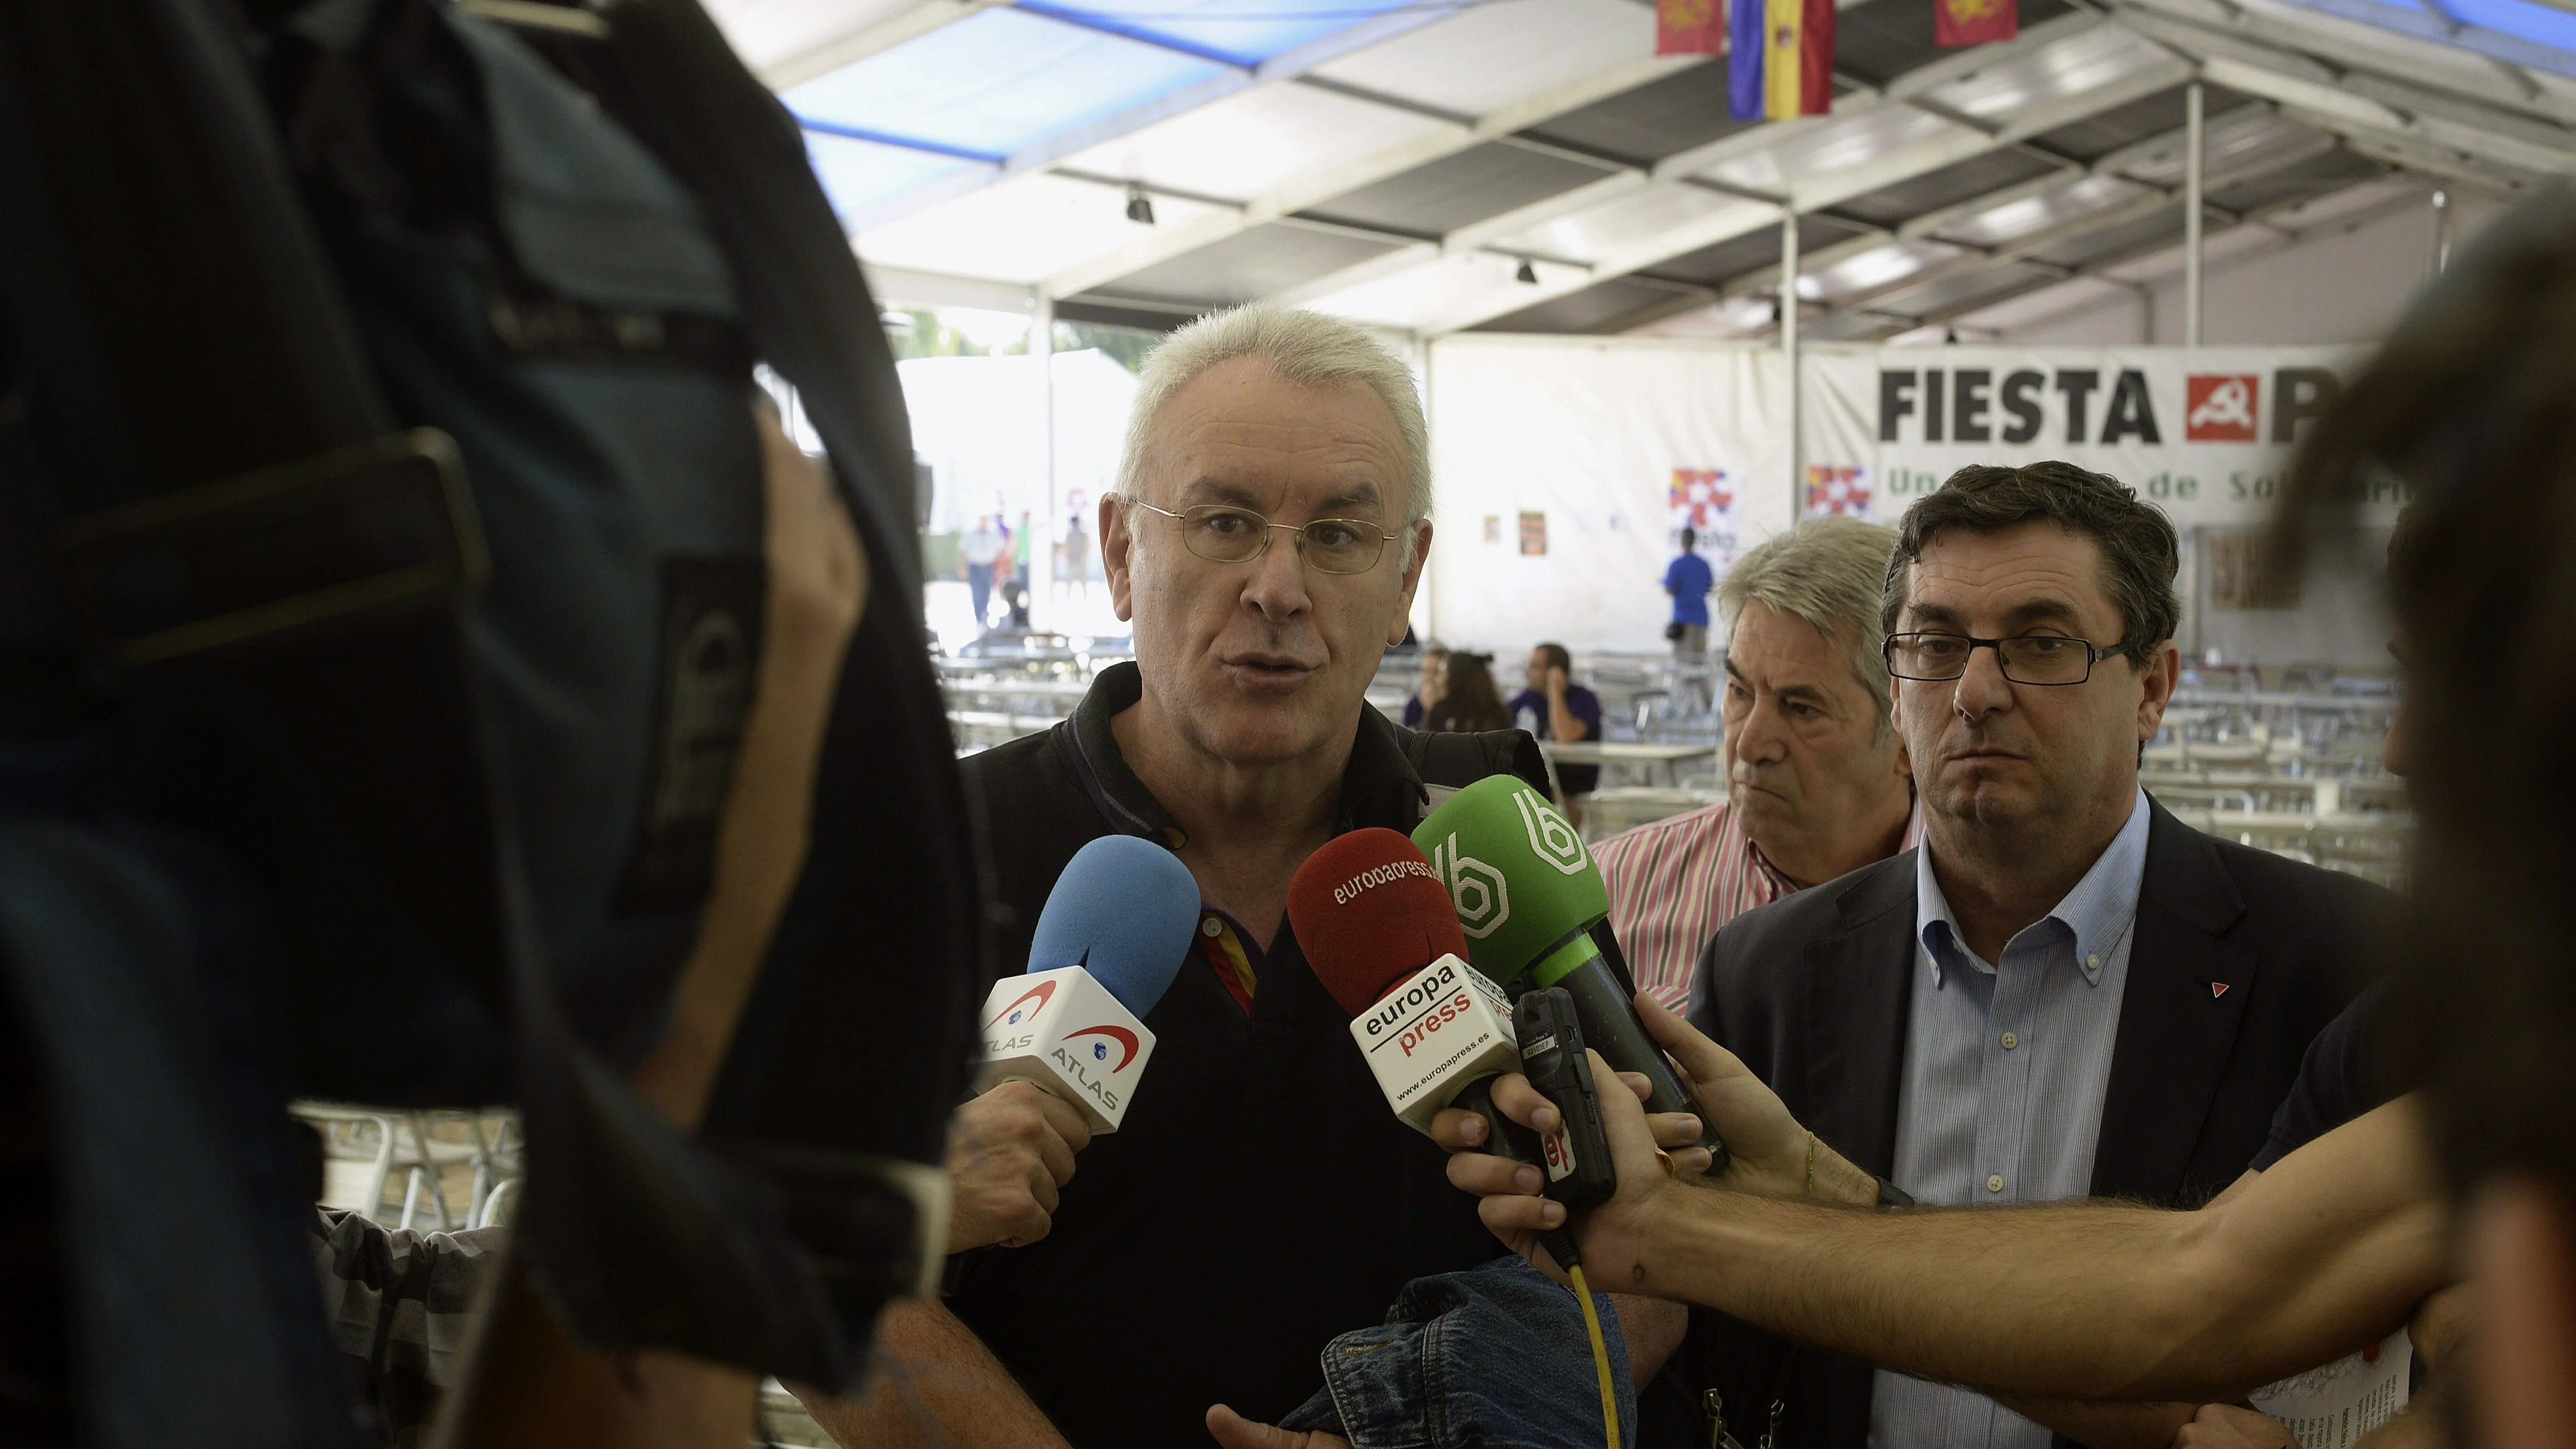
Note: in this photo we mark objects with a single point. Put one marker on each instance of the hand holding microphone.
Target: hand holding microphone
(1066, 1044)
(1530, 902)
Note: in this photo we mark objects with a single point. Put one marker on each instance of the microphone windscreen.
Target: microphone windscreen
(1517, 873)
(1124, 910)
(1369, 912)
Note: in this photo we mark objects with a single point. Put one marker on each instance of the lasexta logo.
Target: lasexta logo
(2219, 407)
(1034, 999)
(1125, 1039)
(1476, 889)
(1552, 838)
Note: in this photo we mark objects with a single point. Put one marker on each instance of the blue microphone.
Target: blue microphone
(1124, 910)
(1112, 937)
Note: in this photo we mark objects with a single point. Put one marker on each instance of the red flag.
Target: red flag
(1690, 27)
(1974, 22)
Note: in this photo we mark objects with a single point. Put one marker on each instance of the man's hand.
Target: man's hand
(1458, 1130)
(1766, 1148)
(1767, 1151)
(2440, 1327)
(1008, 1152)
(1557, 683)
(1611, 1233)
(1233, 1431)
(2225, 1426)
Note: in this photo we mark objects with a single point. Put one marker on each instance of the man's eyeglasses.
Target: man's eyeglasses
(1223, 533)
(2030, 659)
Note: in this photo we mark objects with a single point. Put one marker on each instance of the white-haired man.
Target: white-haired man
(1265, 540)
(1816, 774)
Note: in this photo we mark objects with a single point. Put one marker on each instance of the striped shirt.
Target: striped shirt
(1673, 882)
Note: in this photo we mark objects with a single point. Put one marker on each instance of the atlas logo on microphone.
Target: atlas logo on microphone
(1124, 1039)
(1094, 1067)
(1551, 836)
(1483, 899)
(1028, 1004)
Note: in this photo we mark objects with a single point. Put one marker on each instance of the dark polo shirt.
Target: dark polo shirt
(1259, 1198)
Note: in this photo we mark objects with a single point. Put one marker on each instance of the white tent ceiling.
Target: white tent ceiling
(1431, 166)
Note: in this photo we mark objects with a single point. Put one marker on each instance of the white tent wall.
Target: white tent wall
(1588, 434)
(980, 423)
(1592, 434)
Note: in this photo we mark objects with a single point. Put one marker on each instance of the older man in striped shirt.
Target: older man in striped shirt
(1817, 781)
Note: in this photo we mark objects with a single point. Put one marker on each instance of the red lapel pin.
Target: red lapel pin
(2217, 989)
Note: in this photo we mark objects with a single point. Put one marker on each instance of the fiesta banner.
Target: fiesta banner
(2207, 435)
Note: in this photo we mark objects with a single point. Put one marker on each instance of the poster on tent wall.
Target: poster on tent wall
(1615, 444)
(2207, 434)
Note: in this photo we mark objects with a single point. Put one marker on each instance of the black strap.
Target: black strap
(1457, 760)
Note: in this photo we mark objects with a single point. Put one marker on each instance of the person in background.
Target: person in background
(1433, 686)
(1469, 701)
(977, 553)
(1556, 708)
(1818, 783)
(1688, 580)
(1077, 556)
(1015, 594)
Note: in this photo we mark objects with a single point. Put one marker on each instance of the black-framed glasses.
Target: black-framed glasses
(1223, 533)
(1933, 658)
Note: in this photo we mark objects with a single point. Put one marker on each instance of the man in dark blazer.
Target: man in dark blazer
(2065, 992)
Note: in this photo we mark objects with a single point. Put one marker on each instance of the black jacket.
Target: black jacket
(1260, 1198)
(1813, 993)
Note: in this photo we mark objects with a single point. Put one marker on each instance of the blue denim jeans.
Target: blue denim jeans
(1490, 1359)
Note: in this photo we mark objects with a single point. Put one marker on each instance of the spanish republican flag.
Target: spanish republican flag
(1782, 58)
(1690, 27)
(1974, 22)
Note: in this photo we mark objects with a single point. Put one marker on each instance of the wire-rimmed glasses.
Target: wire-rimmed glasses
(1224, 533)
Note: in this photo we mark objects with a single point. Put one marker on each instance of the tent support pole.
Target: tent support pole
(2194, 145)
(1789, 351)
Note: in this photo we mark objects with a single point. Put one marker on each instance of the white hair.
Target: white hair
(1306, 348)
(1828, 572)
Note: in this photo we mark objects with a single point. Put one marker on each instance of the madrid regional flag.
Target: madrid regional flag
(1782, 58)
(1690, 27)
(1974, 22)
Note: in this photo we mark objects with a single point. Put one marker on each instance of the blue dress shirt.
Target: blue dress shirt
(2005, 1070)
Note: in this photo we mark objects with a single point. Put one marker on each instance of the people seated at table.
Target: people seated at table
(1556, 708)
(1469, 700)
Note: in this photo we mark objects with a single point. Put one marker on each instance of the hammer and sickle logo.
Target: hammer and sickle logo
(2229, 405)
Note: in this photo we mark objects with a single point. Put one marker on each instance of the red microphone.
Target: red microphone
(1382, 934)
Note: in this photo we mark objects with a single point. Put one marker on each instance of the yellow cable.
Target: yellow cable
(1600, 1355)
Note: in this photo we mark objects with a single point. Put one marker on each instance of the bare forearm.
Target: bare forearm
(938, 1385)
(1563, 725)
(2318, 1257)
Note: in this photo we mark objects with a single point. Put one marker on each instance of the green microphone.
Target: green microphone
(1529, 899)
